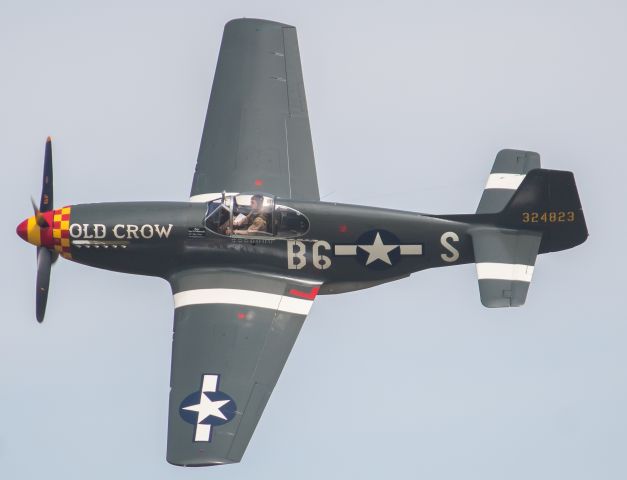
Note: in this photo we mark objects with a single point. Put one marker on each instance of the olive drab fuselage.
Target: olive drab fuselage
(345, 247)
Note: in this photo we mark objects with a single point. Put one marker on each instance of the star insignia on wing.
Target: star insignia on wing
(207, 408)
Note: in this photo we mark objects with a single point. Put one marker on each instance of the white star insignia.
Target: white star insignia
(378, 250)
(207, 408)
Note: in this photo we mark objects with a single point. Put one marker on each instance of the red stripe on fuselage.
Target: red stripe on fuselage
(307, 295)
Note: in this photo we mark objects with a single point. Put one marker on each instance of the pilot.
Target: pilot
(255, 221)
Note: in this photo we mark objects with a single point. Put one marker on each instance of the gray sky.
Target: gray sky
(409, 103)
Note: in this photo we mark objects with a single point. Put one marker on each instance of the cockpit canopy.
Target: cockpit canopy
(254, 215)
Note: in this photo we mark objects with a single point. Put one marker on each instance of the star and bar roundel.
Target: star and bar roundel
(207, 408)
(377, 249)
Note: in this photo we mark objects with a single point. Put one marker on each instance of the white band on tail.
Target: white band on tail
(509, 181)
(504, 271)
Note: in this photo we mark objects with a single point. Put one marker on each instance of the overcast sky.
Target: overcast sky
(409, 103)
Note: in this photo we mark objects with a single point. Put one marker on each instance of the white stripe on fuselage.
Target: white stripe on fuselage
(250, 298)
(509, 181)
(504, 271)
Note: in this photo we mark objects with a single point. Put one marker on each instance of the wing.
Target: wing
(256, 135)
(230, 344)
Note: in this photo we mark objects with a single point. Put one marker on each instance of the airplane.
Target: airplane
(254, 246)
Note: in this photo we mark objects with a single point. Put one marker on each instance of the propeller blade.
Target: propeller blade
(46, 202)
(41, 221)
(44, 263)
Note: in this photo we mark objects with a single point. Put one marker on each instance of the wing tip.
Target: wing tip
(199, 463)
(255, 22)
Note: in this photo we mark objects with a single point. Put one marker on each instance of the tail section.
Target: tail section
(536, 211)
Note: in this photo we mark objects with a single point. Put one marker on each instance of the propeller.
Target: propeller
(45, 257)
(45, 204)
(41, 221)
(44, 264)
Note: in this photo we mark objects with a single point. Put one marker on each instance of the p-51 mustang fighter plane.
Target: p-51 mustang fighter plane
(252, 248)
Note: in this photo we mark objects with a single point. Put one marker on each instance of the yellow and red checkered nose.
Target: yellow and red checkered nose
(56, 236)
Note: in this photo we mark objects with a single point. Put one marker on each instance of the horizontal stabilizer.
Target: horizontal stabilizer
(508, 172)
(505, 261)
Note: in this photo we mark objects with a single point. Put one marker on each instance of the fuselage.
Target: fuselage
(345, 247)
